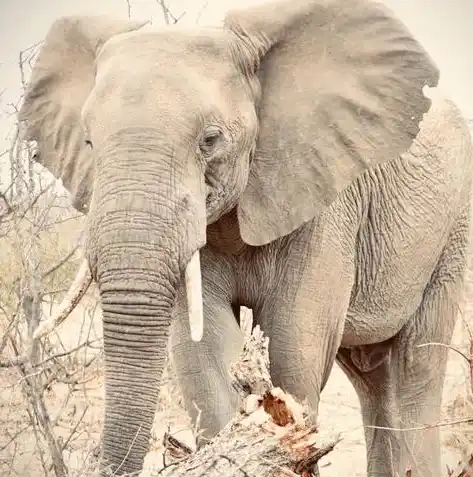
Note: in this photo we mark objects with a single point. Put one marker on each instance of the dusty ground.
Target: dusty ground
(339, 410)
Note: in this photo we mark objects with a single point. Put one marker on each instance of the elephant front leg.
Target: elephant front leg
(304, 313)
(202, 368)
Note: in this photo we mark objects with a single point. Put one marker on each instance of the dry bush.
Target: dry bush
(41, 410)
(44, 398)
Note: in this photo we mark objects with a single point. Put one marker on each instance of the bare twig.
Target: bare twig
(168, 16)
(60, 263)
(450, 347)
(77, 290)
(201, 11)
(468, 420)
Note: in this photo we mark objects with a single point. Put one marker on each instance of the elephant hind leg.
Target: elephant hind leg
(404, 390)
(375, 388)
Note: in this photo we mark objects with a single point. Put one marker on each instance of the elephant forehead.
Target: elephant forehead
(172, 52)
(175, 72)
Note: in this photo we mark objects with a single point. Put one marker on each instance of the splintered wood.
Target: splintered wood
(269, 437)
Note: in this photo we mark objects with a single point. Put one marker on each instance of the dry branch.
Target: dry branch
(77, 290)
(270, 436)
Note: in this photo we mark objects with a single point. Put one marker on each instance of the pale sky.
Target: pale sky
(445, 27)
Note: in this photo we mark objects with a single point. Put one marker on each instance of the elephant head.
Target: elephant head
(157, 133)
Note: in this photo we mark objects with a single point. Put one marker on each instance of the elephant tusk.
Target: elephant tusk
(76, 291)
(194, 297)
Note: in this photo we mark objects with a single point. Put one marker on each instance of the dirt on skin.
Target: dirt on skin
(339, 410)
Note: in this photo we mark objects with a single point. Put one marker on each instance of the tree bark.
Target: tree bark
(269, 437)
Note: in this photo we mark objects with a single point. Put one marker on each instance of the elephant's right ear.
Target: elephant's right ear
(341, 91)
(62, 79)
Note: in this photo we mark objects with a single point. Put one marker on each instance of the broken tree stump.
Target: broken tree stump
(269, 437)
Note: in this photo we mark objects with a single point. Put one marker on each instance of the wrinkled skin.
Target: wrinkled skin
(296, 149)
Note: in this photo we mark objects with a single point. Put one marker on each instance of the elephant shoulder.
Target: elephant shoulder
(444, 142)
(444, 121)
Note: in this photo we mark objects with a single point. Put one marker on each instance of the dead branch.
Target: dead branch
(18, 360)
(77, 290)
(128, 6)
(61, 262)
(36, 401)
(271, 435)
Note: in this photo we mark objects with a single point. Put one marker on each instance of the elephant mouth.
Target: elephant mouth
(83, 279)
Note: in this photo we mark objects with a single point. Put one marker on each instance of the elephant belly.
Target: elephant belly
(404, 228)
(364, 328)
(390, 279)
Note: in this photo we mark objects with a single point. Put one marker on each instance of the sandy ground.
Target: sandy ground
(339, 412)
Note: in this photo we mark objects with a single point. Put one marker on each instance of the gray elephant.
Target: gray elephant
(300, 153)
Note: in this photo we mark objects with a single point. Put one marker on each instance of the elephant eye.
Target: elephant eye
(209, 140)
(89, 143)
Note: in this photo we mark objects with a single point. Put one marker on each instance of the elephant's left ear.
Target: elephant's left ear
(342, 90)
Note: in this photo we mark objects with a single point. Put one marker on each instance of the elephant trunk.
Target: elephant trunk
(135, 332)
(143, 234)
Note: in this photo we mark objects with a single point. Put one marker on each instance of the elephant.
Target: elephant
(300, 160)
